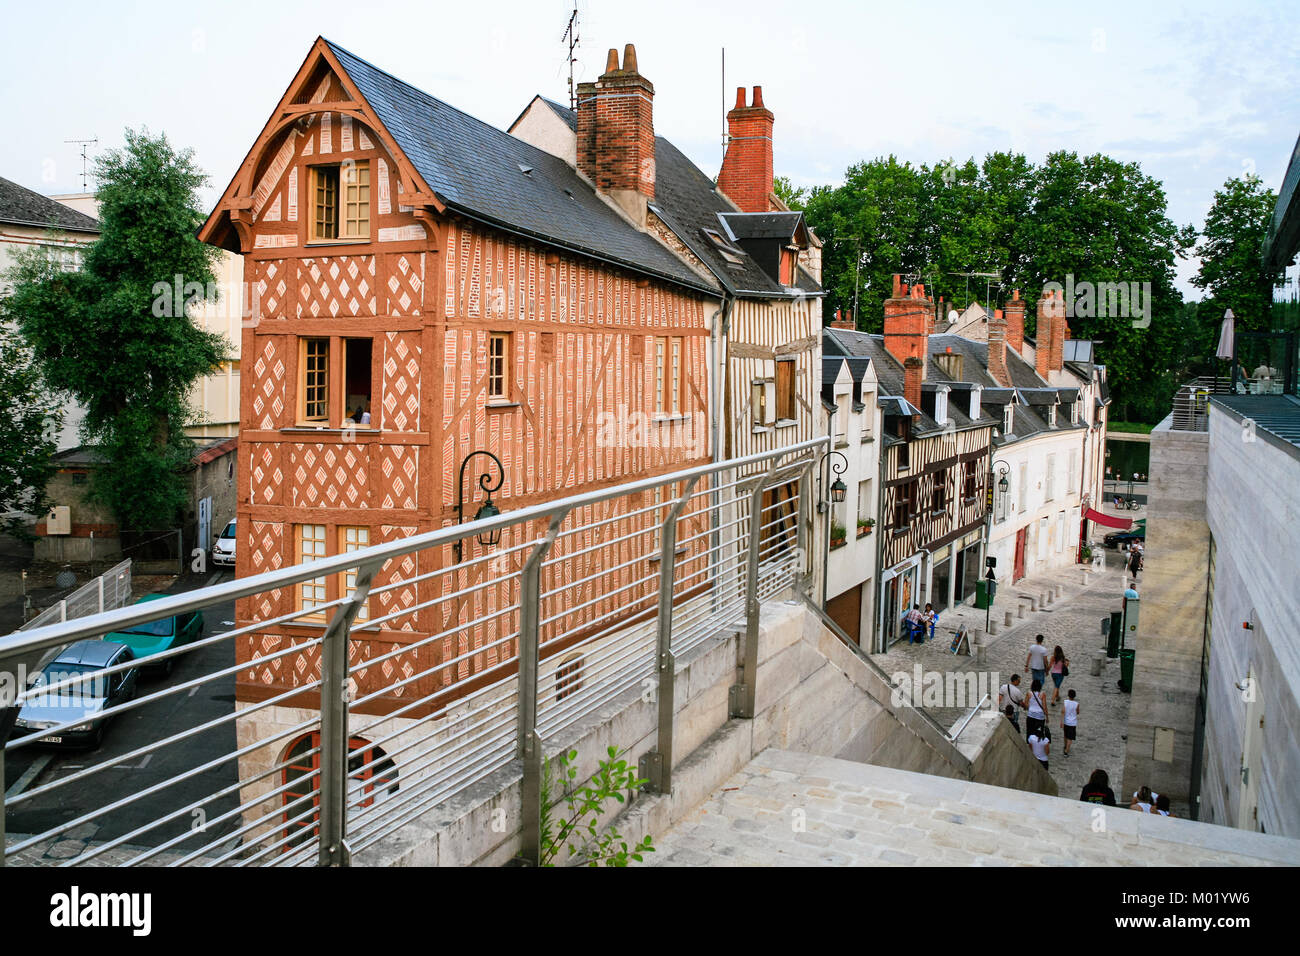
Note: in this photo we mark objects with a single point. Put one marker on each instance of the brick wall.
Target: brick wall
(746, 175)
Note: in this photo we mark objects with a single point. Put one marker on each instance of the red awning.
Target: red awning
(1109, 521)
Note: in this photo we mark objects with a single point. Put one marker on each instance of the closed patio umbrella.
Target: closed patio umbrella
(1226, 333)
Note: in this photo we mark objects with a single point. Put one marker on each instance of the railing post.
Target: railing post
(2, 802)
(529, 744)
(802, 573)
(100, 581)
(742, 696)
(656, 766)
(334, 697)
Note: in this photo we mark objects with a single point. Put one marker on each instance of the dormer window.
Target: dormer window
(975, 397)
(1051, 416)
(340, 201)
(941, 405)
(732, 255)
(1007, 414)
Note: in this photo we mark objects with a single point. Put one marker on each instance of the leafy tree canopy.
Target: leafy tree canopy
(105, 336)
(27, 442)
(1232, 271)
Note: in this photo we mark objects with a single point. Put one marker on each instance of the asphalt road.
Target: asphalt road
(134, 729)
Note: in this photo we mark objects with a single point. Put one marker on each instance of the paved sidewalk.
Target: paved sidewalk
(1072, 622)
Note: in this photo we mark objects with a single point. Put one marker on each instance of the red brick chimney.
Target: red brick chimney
(1015, 312)
(746, 175)
(913, 372)
(998, 349)
(1052, 331)
(843, 320)
(616, 134)
(908, 315)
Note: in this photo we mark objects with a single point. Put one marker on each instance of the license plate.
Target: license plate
(50, 740)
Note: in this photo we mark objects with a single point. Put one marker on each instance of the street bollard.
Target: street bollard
(1008, 618)
(1097, 658)
(1020, 611)
(993, 626)
(1033, 605)
(1045, 599)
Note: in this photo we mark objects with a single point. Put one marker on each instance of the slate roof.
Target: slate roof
(22, 206)
(685, 199)
(1029, 394)
(475, 169)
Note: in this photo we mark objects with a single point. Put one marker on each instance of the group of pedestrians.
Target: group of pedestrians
(1011, 700)
(918, 622)
(1097, 790)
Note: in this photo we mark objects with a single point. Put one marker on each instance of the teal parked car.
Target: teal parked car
(155, 637)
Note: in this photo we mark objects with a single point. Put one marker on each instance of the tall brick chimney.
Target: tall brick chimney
(616, 134)
(1052, 331)
(998, 349)
(843, 320)
(913, 372)
(1015, 313)
(908, 314)
(746, 175)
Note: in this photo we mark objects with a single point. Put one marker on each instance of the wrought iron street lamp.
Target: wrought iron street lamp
(490, 538)
(838, 488)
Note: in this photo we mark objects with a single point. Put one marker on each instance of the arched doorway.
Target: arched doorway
(301, 777)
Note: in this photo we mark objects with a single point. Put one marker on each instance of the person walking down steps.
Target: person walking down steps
(1070, 720)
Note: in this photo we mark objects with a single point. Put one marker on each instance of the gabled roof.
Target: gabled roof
(475, 169)
(23, 207)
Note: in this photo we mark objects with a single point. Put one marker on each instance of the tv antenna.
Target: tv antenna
(83, 143)
(988, 286)
(571, 35)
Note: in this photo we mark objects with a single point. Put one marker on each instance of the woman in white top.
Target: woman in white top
(1143, 800)
(1036, 717)
(1070, 720)
(1040, 745)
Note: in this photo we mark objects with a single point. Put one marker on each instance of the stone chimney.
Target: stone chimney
(913, 372)
(1015, 313)
(843, 320)
(1049, 354)
(746, 175)
(616, 135)
(998, 349)
(908, 314)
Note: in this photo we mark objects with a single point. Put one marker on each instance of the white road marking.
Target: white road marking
(29, 775)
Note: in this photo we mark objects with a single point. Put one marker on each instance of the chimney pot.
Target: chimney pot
(611, 61)
(747, 173)
(898, 286)
(740, 98)
(758, 97)
(629, 59)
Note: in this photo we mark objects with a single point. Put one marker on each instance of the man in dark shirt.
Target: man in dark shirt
(1097, 789)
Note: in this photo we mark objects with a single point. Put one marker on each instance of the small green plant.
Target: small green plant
(577, 830)
(1086, 555)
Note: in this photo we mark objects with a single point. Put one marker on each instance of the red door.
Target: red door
(1022, 538)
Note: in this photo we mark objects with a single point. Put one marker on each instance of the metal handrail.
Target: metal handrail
(969, 717)
(441, 727)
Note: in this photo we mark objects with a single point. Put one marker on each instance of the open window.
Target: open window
(340, 201)
(318, 401)
(357, 354)
(786, 403)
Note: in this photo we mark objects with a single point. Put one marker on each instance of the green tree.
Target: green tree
(109, 336)
(27, 442)
(786, 192)
(1232, 271)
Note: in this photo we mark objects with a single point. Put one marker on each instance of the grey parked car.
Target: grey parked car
(91, 693)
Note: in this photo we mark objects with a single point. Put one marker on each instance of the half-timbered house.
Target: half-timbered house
(934, 465)
(426, 286)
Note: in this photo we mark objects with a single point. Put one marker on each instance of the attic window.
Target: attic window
(525, 169)
(730, 253)
(1006, 419)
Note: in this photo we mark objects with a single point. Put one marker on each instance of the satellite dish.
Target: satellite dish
(953, 315)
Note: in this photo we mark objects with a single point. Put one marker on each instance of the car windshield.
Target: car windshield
(161, 628)
(85, 684)
(229, 532)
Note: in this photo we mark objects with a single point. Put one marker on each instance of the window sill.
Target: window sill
(761, 429)
(662, 419)
(867, 439)
(842, 443)
(495, 405)
(655, 558)
(786, 422)
(332, 429)
(348, 241)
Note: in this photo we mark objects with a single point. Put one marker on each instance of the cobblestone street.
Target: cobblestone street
(1073, 622)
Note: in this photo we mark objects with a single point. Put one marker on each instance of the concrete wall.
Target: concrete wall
(1167, 666)
(1252, 500)
(813, 695)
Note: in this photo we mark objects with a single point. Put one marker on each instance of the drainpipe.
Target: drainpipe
(717, 334)
(879, 589)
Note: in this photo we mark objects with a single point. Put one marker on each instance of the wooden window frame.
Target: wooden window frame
(347, 580)
(334, 383)
(337, 202)
(300, 597)
(498, 379)
(304, 370)
(669, 376)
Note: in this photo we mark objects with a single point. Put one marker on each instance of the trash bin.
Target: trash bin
(983, 595)
(1126, 670)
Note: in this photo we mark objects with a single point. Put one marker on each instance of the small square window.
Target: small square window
(499, 366)
(340, 201)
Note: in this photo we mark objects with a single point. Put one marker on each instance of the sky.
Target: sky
(1197, 93)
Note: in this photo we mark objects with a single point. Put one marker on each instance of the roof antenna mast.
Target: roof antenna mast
(83, 143)
(571, 34)
(724, 104)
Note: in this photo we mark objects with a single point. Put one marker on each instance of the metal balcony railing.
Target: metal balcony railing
(343, 731)
(1192, 400)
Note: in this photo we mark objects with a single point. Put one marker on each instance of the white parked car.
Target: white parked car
(223, 552)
